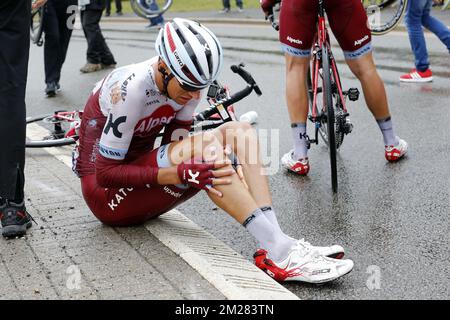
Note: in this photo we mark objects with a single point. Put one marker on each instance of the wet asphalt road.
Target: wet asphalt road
(392, 219)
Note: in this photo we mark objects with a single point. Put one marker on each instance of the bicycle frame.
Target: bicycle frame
(322, 39)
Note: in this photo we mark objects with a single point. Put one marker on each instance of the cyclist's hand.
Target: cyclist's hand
(37, 4)
(267, 6)
(236, 164)
(200, 175)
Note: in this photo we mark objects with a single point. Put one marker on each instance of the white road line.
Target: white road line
(229, 272)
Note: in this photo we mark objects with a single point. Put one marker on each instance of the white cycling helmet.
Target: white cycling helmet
(191, 51)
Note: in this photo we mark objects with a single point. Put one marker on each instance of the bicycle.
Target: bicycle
(150, 8)
(37, 25)
(61, 127)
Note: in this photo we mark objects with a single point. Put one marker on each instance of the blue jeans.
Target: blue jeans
(418, 15)
(153, 6)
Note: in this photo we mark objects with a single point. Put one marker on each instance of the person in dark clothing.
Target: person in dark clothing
(118, 7)
(57, 37)
(15, 17)
(98, 54)
(227, 6)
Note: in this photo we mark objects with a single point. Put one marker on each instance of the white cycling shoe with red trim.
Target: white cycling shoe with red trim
(334, 251)
(300, 166)
(417, 76)
(305, 265)
(395, 153)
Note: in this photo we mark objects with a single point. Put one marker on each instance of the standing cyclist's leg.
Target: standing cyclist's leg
(297, 28)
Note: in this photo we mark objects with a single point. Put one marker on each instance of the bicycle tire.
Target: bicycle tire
(330, 116)
(45, 143)
(36, 29)
(145, 11)
(393, 21)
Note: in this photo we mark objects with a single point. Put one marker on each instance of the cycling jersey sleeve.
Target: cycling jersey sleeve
(116, 174)
(121, 101)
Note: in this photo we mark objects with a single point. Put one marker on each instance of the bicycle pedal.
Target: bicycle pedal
(353, 94)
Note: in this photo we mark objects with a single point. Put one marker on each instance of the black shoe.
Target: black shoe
(51, 89)
(15, 219)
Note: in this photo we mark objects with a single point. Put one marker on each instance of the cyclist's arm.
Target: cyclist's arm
(116, 174)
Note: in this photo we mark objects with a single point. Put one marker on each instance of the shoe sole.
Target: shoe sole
(15, 230)
(417, 80)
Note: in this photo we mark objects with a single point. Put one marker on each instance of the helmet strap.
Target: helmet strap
(166, 79)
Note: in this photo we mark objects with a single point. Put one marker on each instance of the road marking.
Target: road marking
(229, 272)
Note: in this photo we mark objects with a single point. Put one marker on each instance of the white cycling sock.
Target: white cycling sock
(300, 140)
(387, 129)
(269, 236)
(271, 216)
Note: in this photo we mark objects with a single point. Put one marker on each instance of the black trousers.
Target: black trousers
(98, 51)
(57, 37)
(118, 6)
(15, 16)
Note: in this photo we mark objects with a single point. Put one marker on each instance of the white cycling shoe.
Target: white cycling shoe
(304, 264)
(395, 153)
(300, 166)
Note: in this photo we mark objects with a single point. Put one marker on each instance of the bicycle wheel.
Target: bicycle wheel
(384, 15)
(328, 129)
(150, 8)
(48, 132)
(37, 26)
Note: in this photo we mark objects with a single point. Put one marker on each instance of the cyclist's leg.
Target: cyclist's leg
(237, 200)
(298, 20)
(243, 140)
(348, 21)
(373, 87)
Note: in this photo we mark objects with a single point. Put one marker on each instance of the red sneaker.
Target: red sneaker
(417, 76)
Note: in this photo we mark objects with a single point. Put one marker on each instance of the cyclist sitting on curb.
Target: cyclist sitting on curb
(348, 20)
(126, 181)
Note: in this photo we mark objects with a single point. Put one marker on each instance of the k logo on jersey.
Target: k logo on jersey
(114, 125)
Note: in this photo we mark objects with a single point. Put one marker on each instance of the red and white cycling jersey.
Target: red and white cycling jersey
(124, 115)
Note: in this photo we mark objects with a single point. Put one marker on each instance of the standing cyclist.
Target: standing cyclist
(348, 20)
(126, 180)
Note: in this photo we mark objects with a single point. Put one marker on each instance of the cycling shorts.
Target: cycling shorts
(132, 206)
(347, 19)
